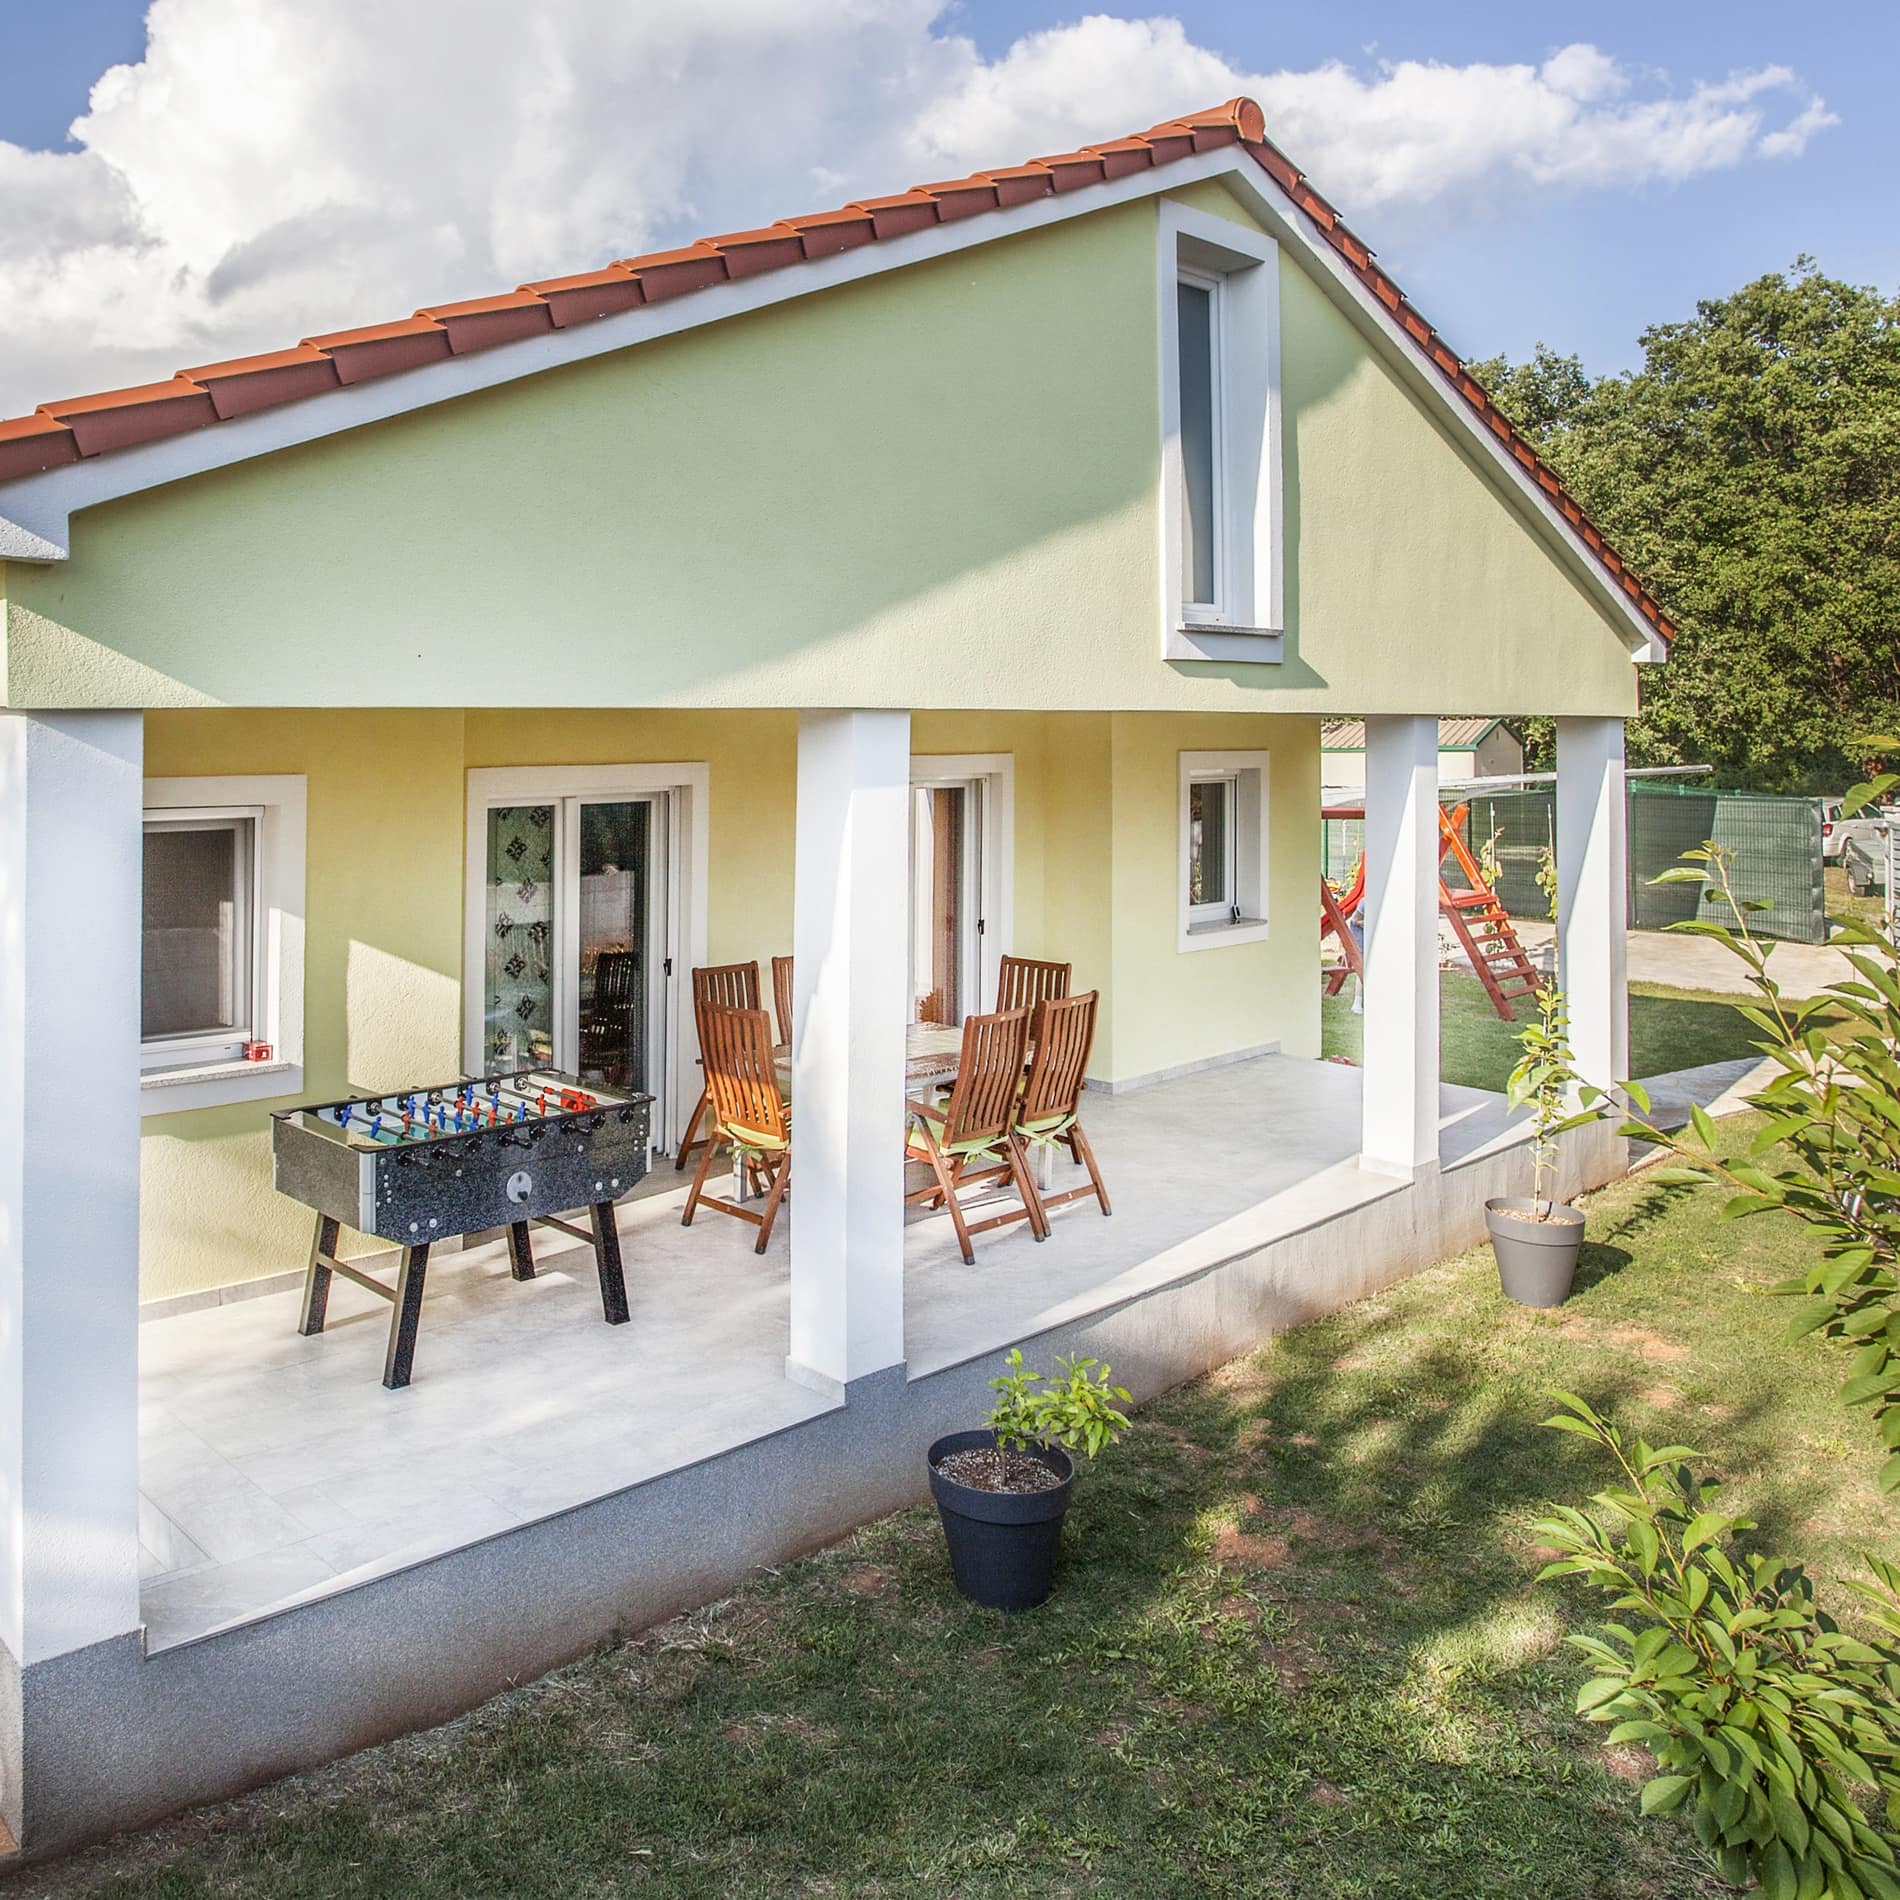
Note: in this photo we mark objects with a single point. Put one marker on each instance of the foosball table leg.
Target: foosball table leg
(316, 1279)
(520, 1251)
(613, 1281)
(404, 1320)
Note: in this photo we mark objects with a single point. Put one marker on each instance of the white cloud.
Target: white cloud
(268, 172)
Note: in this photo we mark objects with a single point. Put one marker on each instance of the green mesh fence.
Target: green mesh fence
(1776, 844)
(1776, 858)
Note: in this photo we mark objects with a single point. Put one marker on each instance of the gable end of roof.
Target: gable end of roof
(59, 434)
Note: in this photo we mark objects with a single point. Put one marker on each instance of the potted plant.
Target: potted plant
(1002, 1492)
(1537, 1239)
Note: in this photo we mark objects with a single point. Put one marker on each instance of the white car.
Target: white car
(1836, 830)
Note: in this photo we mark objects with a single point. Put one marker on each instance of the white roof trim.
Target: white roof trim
(38, 509)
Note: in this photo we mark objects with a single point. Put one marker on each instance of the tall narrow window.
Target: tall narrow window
(1197, 357)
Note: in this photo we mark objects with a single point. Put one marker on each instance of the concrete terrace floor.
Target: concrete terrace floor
(276, 1468)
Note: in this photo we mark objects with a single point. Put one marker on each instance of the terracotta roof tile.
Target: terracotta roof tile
(64, 432)
(122, 418)
(960, 197)
(29, 444)
(1070, 171)
(1018, 184)
(826, 233)
(1121, 156)
(248, 383)
(588, 295)
(479, 323)
(899, 214)
(747, 253)
(664, 274)
(381, 349)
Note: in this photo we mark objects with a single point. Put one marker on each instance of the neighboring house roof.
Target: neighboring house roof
(1454, 735)
(59, 433)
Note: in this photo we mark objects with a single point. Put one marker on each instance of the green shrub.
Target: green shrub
(1075, 1410)
(1770, 1725)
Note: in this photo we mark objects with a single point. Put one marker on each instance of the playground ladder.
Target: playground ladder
(1479, 921)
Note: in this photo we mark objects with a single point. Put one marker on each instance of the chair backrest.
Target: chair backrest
(1063, 1032)
(735, 985)
(1023, 982)
(782, 997)
(614, 973)
(741, 1078)
(989, 1072)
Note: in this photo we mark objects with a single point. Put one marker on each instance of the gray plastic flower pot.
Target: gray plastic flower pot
(1537, 1259)
(1002, 1543)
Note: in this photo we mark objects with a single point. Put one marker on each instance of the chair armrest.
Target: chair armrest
(924, 1109)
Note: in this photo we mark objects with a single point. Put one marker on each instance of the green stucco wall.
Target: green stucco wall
(1095, 868)
(935, 488)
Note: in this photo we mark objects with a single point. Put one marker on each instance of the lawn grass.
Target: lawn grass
(1296, 1647)
(1669, 1030)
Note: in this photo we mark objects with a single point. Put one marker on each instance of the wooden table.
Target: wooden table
(932, 1055)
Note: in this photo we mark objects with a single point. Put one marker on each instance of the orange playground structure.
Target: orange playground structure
(1477, 919)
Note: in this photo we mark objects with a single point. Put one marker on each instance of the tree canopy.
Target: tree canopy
(1749, 472)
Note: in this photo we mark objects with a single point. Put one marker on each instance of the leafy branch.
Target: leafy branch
(1770, 1724)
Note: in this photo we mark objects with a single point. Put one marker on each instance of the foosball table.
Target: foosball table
(424, 1165)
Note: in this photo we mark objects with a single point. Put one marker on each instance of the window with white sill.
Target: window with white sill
(1220, 458)
(221, 941)
(1223, 849)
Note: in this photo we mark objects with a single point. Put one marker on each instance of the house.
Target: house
(1467, 749)
(977, 563)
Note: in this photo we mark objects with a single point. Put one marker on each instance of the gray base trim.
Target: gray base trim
(177, 1303)
(1129, 1083)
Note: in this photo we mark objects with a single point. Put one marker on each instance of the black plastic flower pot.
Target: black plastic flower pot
(1002, 1543)
(1537, 1259)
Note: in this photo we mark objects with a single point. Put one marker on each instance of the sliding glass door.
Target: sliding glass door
(574, 940)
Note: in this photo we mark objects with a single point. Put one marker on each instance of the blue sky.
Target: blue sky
(1498, 266)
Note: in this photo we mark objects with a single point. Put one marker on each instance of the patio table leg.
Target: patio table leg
(405, 1319)
(316, 1279)
(613, 1280)
(1045, 1166)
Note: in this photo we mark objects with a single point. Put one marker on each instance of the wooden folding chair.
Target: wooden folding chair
(1049, 1113)
(1023, 982)
(734, 986)
(782, 998)
(972, 1137)
(748, 1114)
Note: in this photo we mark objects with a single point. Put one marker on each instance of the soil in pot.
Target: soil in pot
(1002, 1542)
(1537, 1257)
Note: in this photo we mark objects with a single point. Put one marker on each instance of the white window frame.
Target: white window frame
(995, 772)
(1243, 918)
(278, 807)
(687, 791)
(1246, 620)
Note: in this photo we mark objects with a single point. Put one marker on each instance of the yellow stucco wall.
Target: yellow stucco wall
(1095, 856)
(935, 488)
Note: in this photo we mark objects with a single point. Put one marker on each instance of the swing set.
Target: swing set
(1480, 923)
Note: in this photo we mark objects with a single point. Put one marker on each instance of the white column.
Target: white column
(71, 796)
(1592, 896)
(849, 912)
(1400, 1105)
